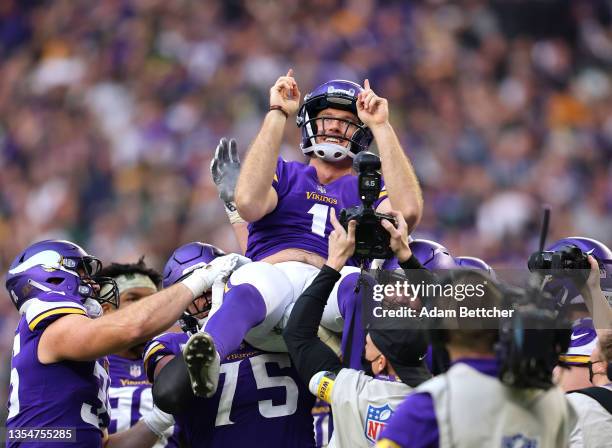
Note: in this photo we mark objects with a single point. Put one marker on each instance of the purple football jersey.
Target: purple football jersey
(301, 217)
(66, 394)
(323, 423)
(260, 400)
(130, 396)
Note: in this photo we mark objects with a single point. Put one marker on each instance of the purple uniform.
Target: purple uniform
(260, 400)
(130, 396)
(301, 217)
(66, 394)
(323, 423)
(414, 424)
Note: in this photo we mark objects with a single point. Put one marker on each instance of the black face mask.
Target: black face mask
(591, 374)
(366, 364)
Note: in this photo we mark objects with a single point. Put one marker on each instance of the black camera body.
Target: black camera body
(567, 262)
(371, 238)
(531, 341)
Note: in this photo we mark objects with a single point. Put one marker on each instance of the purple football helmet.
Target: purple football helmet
(184, 261)
(335, 94)
(432, 255)
(57, 266)
(563, 289)
(475, 263)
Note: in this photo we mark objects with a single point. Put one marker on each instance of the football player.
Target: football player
(59, 375)
(288, 206)
(130, 391)
(260, 400)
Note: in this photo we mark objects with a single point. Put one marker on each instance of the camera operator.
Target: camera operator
(583, 371)
(578, 272)
(469, 405)
(361, 403)
(593, 405)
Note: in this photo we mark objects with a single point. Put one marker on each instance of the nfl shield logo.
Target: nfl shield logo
(376, 420)
(321, 189)
(519, 441)
(135, 370)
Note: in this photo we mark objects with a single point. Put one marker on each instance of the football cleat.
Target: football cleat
(203, 364)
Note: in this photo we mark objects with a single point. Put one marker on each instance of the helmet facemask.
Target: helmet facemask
(334, 146)
(353, 137)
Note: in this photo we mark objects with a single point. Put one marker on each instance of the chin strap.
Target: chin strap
(328, 151)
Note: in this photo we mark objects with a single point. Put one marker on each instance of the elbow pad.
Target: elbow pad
(172, 388)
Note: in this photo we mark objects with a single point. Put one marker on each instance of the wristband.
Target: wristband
(232, 213)
(279, 108)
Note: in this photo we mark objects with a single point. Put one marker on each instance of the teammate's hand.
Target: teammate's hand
(399, 236)
(158, 421)
(371, 109)
(225, 168)
(202, 278)
(285, 93)
(593, 283)
(341, 243)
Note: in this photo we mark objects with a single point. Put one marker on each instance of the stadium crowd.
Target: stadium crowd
(109, 115)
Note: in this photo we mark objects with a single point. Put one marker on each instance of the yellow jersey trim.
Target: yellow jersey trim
(386, 443)
(153, 350)
(53, 312)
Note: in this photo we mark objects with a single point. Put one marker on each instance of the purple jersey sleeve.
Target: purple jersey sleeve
(68, 394)
(414, 423)
(160, 346)
(281, 181)
(48, 307)
(383, 194)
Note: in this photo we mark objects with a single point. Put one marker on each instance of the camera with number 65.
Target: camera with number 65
(371, 238)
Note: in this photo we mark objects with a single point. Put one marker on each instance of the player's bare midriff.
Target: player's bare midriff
(300, 255)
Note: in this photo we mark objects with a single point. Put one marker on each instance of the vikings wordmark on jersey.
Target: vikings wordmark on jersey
(301, 217)
(130, 397)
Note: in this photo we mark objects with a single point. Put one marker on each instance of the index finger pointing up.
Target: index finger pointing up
(366, 84)
(290, 72)
(334, 222)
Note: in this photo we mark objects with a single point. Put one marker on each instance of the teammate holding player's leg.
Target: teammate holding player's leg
(288, 206)
(260, 400)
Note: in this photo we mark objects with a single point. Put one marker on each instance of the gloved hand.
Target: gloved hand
(202, 278)
(158, 421)
(225, 168)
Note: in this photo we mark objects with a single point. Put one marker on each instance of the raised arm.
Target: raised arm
(79, 338)
(403, 188)
(255, 196)
(225, 168)
(595, 300)
(309, 354)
